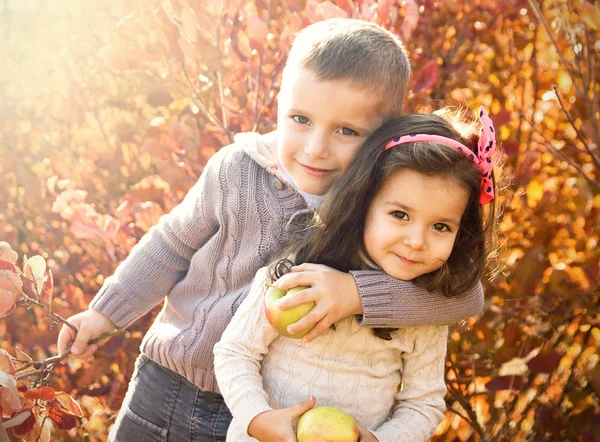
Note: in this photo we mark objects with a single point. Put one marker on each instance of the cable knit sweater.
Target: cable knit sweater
(203, 256)
(349, 368)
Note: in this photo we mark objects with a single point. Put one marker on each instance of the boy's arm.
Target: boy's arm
(239, 354)
(377, 300)
(420, 405)
(162, 257)
(390, 302)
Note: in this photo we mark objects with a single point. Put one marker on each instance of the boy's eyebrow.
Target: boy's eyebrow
(408, 209)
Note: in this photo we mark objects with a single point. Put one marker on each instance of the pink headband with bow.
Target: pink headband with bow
(486, 146)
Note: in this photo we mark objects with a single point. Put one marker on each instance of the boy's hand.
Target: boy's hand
(365, 435)
(334, 292)
(278, 425)
(90, 324)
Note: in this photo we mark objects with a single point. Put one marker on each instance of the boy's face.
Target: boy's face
(321, 127)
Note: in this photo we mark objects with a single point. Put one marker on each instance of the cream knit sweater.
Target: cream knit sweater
(349, 368)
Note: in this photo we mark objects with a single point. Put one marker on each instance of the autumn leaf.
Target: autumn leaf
(327, 10)
(411, 19)
(189, 24)
(427, 77)
(7, 254)
(48, 287)
(6, 363)
(34, 269)
(384, 8)
(9, 396)
(10, 287)
(22, 424)
(40, 393)
(68, 403)
(505, 383)
(590, 15)
(62, 418)
(159, 97)
(545, 362)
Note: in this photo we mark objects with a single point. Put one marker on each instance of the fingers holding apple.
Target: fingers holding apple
(281, 319)
(327, 424)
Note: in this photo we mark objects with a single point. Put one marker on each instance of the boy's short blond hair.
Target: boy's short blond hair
(365, 54)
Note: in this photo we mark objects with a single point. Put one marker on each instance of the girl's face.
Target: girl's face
(412, 223)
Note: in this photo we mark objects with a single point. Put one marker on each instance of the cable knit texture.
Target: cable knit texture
(349, 368)
(203, 256)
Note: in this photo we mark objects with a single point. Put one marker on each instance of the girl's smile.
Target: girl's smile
(412, 223)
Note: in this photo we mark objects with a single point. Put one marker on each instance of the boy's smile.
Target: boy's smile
(321, 127)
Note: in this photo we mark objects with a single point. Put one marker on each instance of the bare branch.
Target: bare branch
(593, 183)
(572, 122)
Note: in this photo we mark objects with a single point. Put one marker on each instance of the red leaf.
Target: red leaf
(41, 393)
(159, 97)
(384, 7)
(48, 287)
(411, 19)
(505, 383)
(503, 117)
(26, 426)
(549, 419)
(545, 362)
(510, 148)
(61, 418)
(296, 5)
(346, 5)
(590, 15)
(427, 78)
(5, 265)
(511, 333)
(68, 403)
(327, 10)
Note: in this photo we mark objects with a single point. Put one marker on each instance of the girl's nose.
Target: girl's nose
(316, 146)
(415, 238)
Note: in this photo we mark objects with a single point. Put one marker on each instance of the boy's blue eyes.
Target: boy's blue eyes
(304, 120)
(346, 131)
(300, 119)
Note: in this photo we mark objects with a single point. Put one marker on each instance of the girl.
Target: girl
(412, 205)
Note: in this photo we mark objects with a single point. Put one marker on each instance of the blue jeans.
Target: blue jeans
(163, 406)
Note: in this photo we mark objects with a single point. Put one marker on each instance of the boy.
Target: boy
(343, 79)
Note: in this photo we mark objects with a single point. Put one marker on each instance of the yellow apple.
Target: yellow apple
(326, 424)
(280, 319)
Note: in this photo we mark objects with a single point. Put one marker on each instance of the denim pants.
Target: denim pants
(163, 406)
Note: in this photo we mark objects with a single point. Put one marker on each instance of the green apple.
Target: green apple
(326, 424)
(280, 319)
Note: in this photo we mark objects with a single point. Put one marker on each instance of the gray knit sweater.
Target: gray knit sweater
(203, 256)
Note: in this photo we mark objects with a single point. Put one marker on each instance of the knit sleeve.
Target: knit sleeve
(390, 302)
(239, 354)
(420, 405)
(162, 257)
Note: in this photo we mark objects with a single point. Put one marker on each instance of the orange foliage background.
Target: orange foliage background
(110, 110)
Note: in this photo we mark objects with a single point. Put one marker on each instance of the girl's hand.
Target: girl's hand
(365, 435)
(334, 292)
(278, 425)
